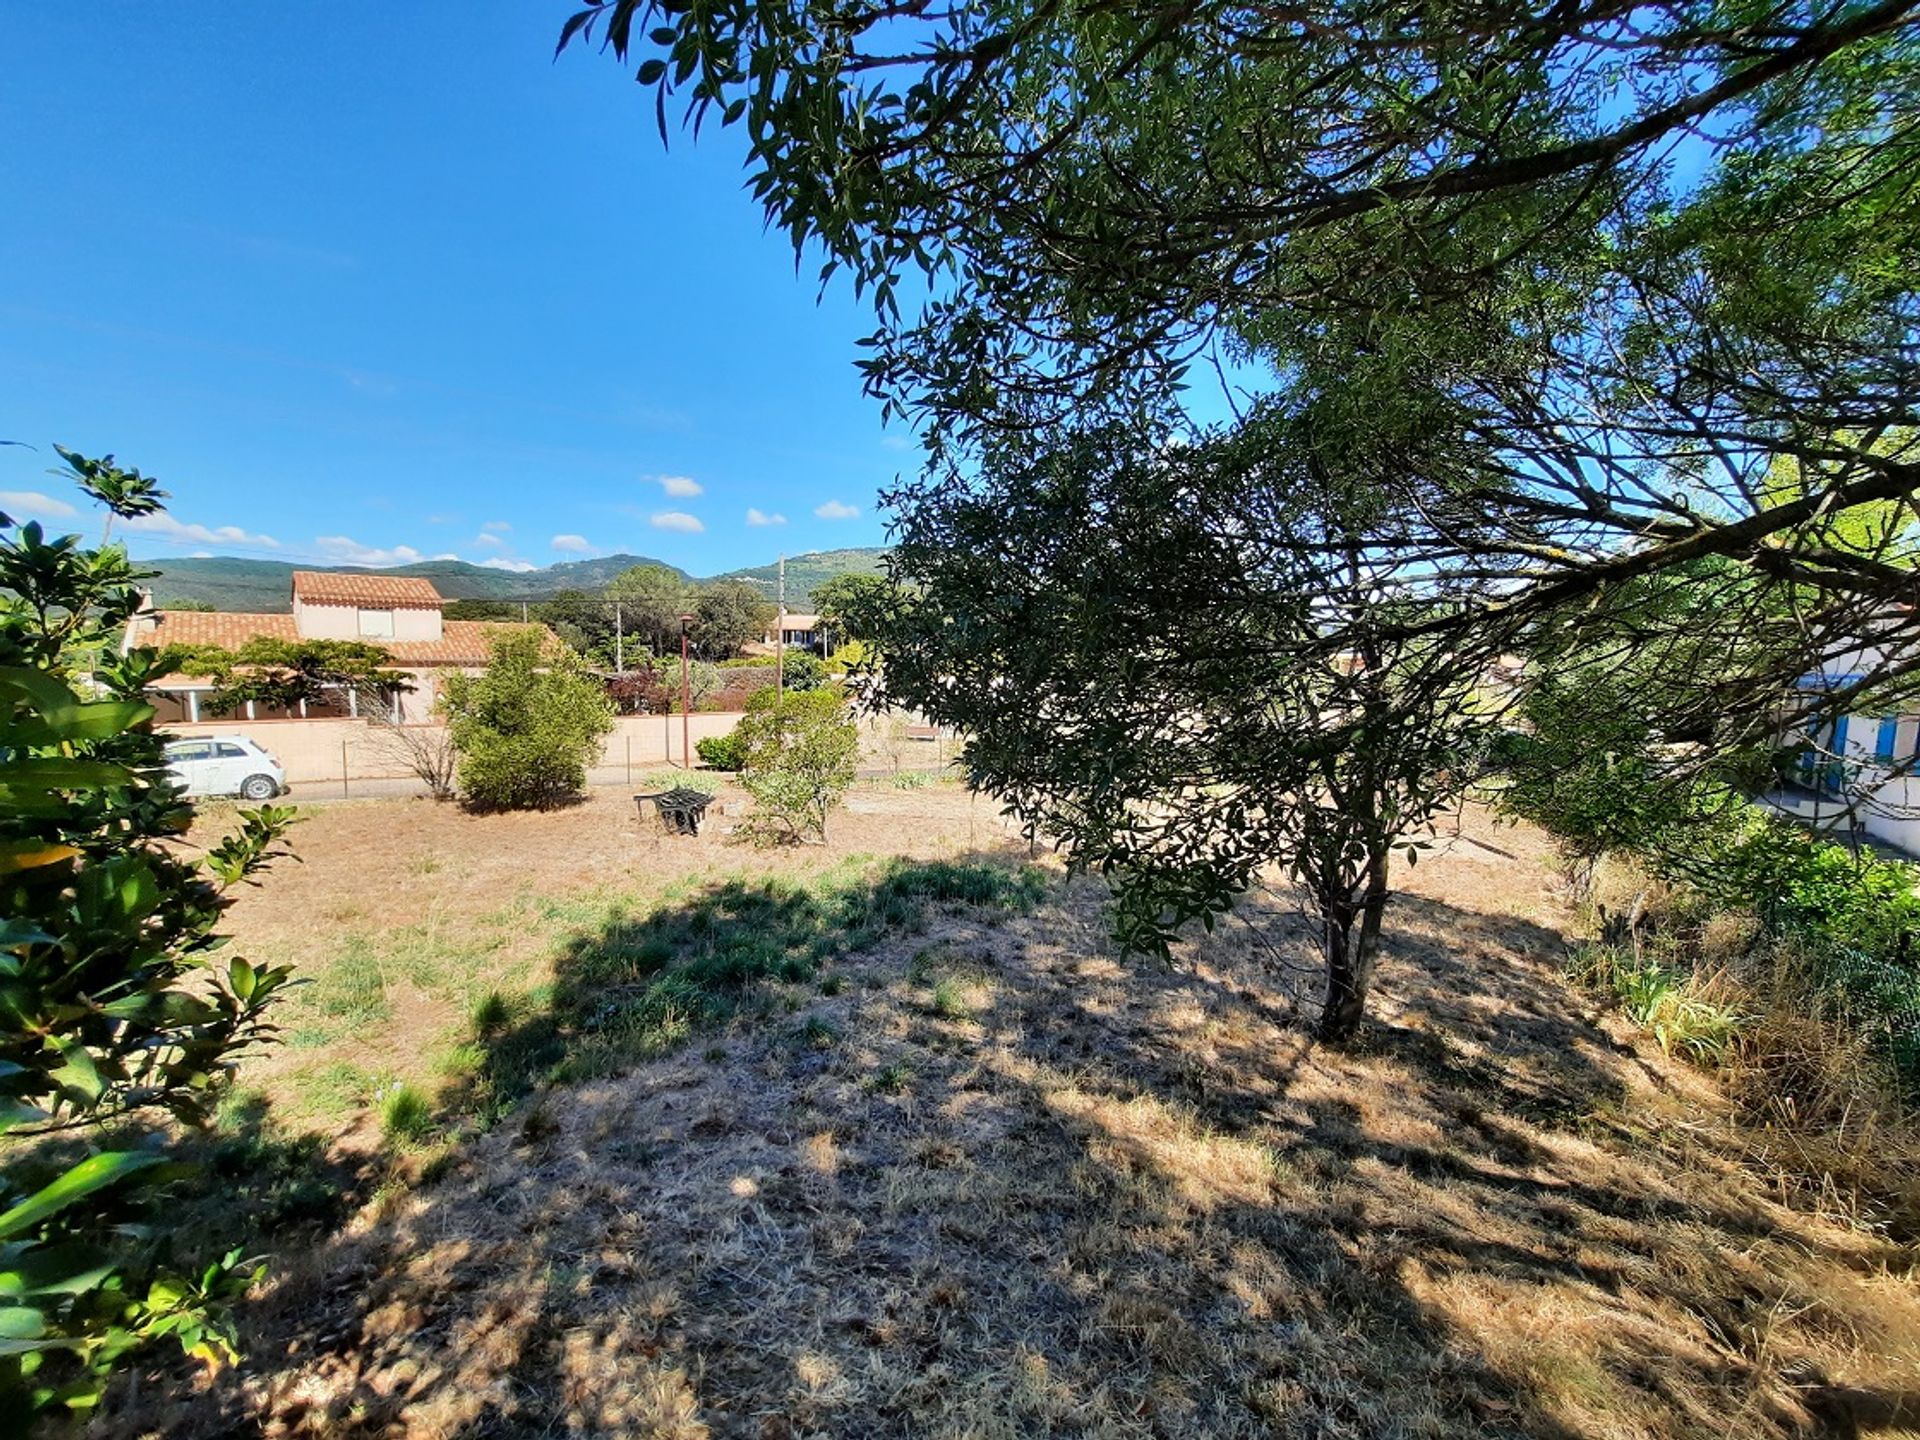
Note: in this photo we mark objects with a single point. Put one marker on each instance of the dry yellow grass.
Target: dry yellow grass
(1099, 1199)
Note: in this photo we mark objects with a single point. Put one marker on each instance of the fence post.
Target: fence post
(344, 794)
(629, 757)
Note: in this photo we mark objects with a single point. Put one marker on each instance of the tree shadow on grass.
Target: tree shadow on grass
(641, 985)
(885, 1158)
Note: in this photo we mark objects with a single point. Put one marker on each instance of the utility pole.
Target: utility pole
(686, 699)
(780, 641)
(523, 612)
(619, 641)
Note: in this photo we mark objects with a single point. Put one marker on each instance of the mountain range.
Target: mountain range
(227, 582)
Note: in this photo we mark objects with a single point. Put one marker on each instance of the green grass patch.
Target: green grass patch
(1664, 999)
(632, 986)
(406, 1114)
(353, 988)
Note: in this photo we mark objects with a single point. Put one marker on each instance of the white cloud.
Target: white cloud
(163, 524)
(33, 502)
(487, 537)
(573, 544)
(496, 525)
(680, 486)
(836, 510)
(501, 562)
(345, 550)
(677, 520)
(896, 442)
(761, 517)
(446, 555)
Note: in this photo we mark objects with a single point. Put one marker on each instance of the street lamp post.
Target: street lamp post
(686, 698)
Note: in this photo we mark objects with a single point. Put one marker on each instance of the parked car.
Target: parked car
(226, 765)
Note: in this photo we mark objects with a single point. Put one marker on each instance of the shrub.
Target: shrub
(798, 756)
(850, 657)
(526, 728)
(654, 686)
(722, 752)
(802, 671)
(117, 1008)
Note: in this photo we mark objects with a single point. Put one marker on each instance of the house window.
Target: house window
(376, 624)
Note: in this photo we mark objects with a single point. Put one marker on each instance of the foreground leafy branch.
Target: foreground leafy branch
(116, 1003)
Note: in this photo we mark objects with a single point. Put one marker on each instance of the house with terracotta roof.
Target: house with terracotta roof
(798, 631)
(399, 613)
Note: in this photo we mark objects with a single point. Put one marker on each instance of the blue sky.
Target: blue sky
(364, 282)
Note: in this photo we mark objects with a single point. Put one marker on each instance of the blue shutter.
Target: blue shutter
(1883, 742)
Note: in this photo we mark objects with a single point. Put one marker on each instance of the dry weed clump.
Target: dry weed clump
(1111, 1201)
(1821, 1112)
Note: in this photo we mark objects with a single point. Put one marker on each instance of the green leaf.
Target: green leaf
(58, 773)
(43, 692)
(96, 1172)
(16, 933)
(56, 1270)
(101, 719)
(15, 1113)
(21, 1322)
(79, 1076)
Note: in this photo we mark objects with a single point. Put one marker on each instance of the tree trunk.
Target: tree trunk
(1350, 937)
(1346, 985)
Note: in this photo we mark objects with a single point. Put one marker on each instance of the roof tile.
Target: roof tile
(385, 592)
(462, 642)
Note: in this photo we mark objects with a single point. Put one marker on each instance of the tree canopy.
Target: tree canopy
(727, 615)
(1399, 336)
(638, 614)
(1558, 288)
(843, 602)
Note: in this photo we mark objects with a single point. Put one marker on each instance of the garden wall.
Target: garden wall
(345, 751)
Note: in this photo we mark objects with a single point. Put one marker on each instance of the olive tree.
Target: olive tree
(1174, 725)
(1528, 304)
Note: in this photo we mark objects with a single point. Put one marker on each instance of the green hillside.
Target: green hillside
(230, 583)
(806, 571)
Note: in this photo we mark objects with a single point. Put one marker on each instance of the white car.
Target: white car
(226, 765)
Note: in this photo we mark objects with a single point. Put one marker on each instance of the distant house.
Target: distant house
(798, 631)
(1861, 768)
(400, 613)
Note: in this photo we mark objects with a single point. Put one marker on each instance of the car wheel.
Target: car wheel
(259, 787)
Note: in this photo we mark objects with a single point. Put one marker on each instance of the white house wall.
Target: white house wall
(342, 622)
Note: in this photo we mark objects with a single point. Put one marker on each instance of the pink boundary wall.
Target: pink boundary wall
(320, 750)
